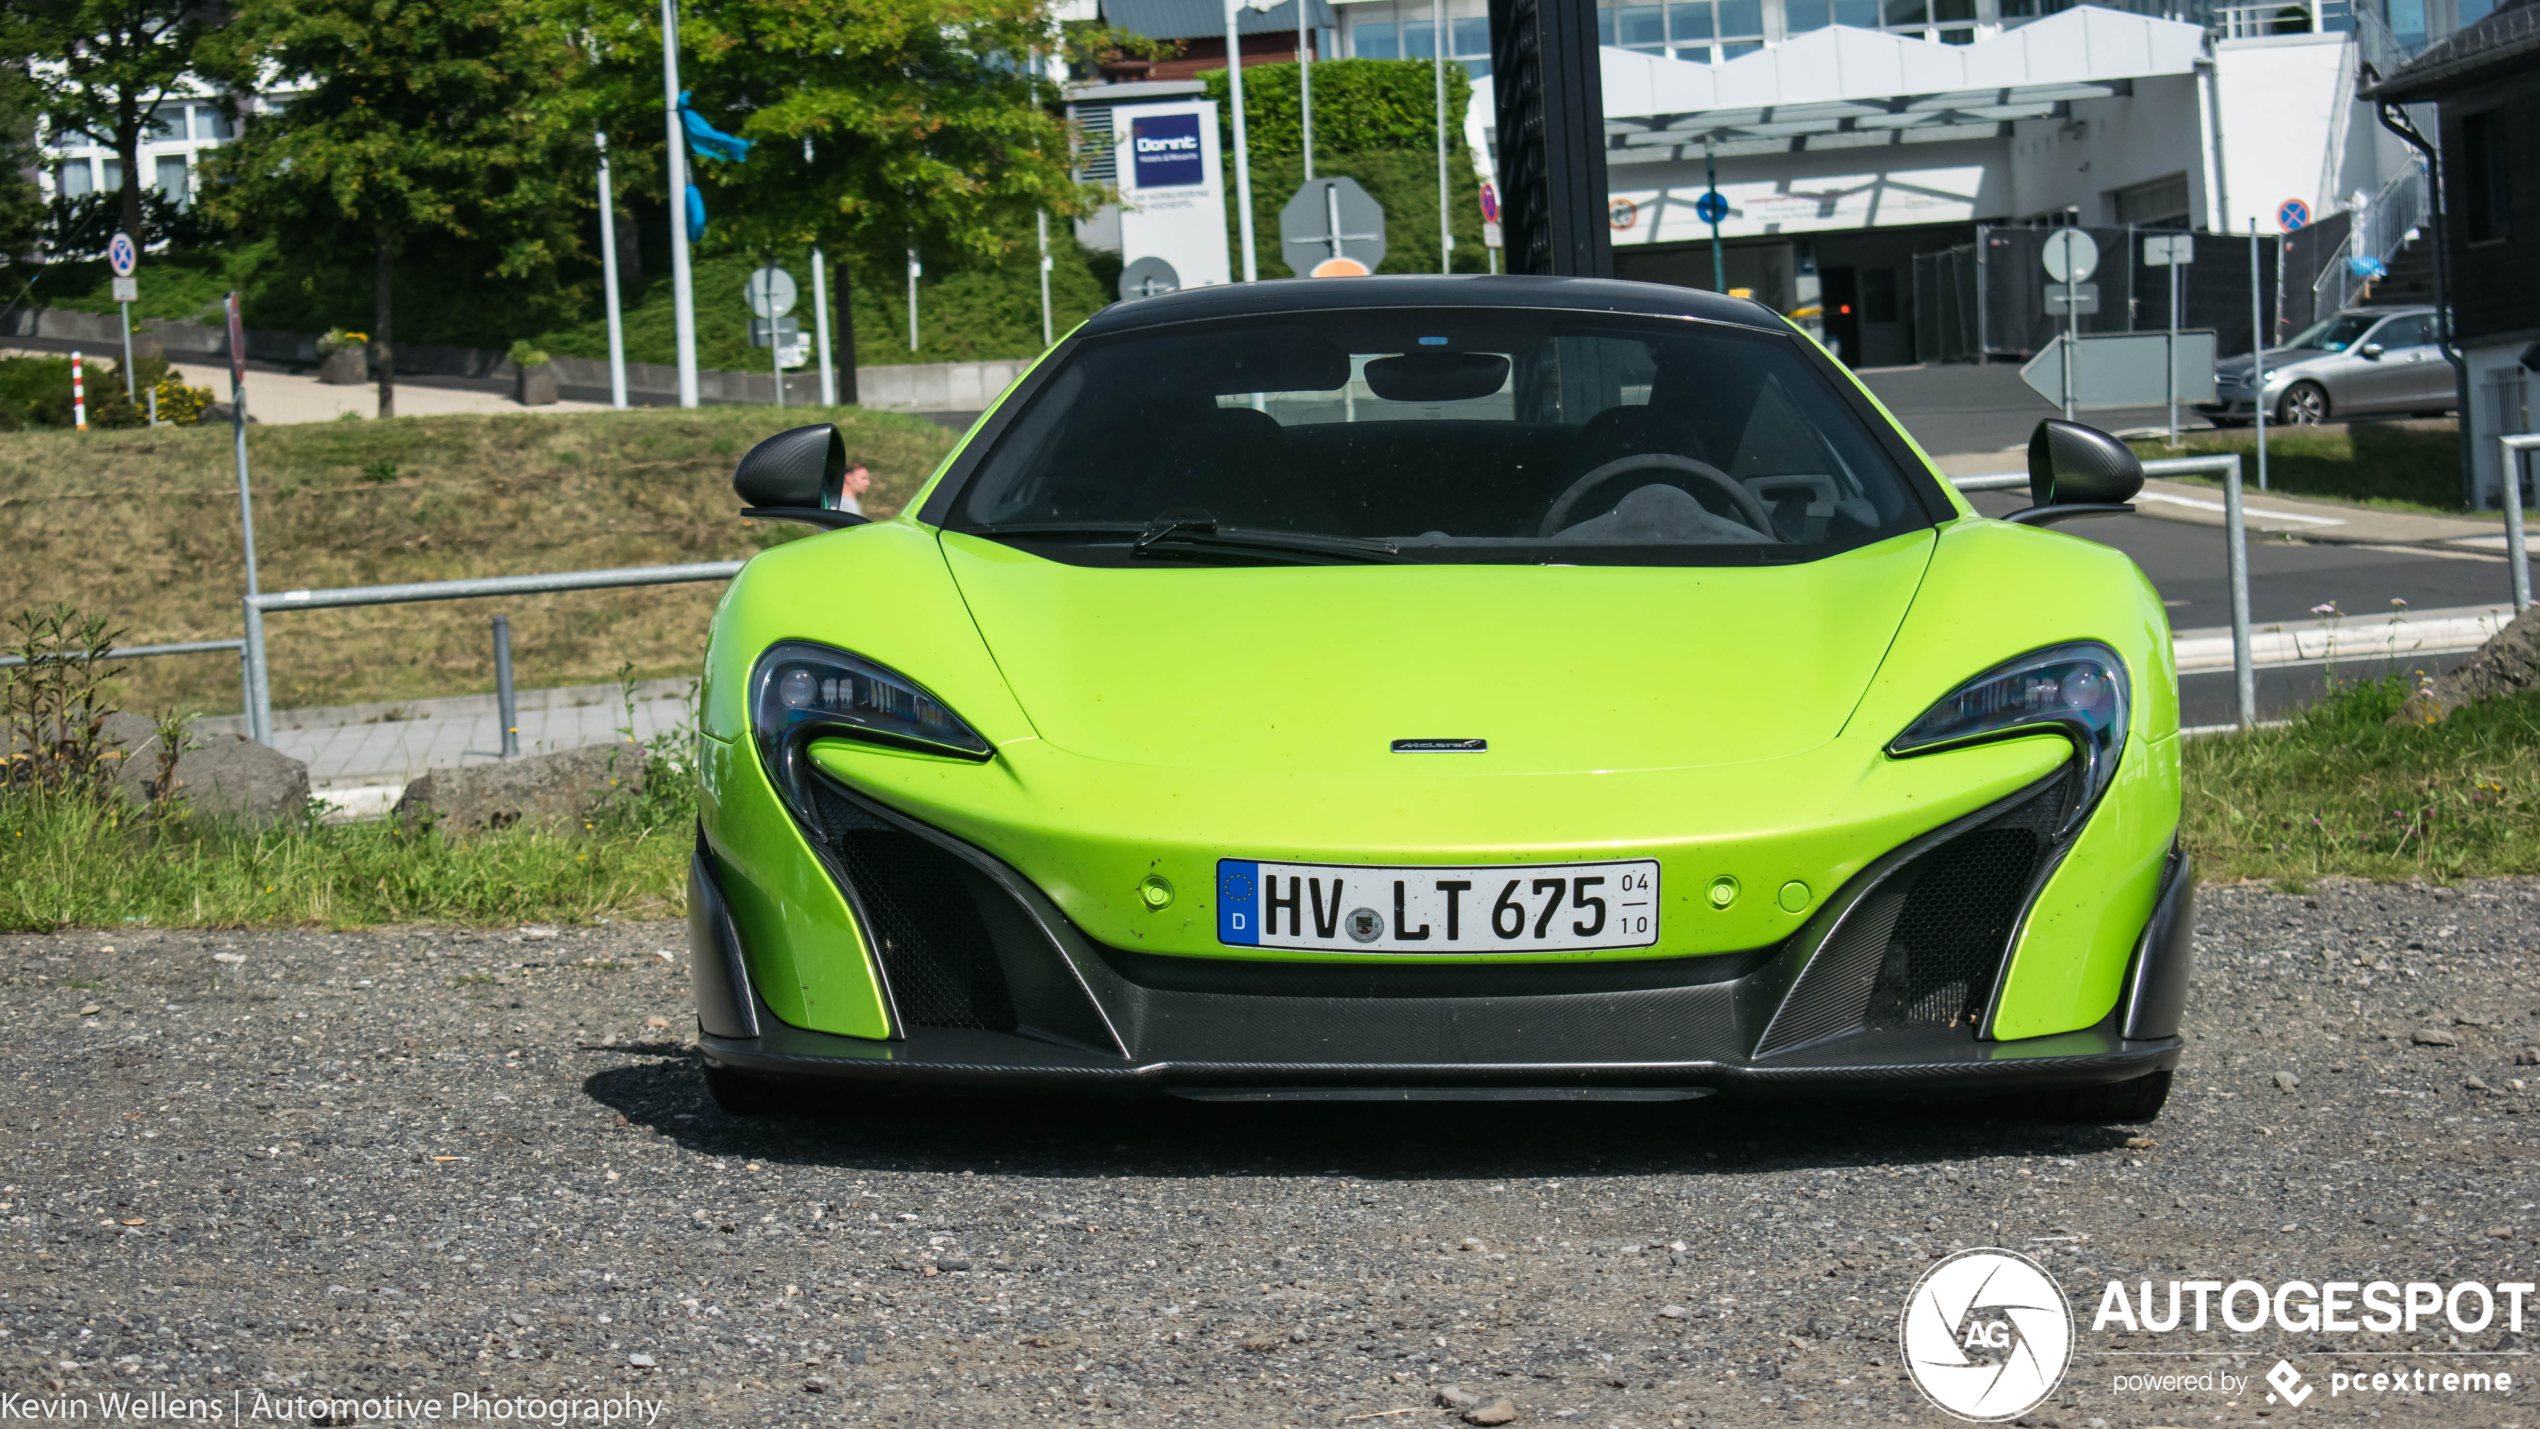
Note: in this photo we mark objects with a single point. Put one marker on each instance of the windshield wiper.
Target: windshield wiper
(1185, 531)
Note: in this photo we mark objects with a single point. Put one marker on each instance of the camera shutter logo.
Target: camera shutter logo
(1987, 1334)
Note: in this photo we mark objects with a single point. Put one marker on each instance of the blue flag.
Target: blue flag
(706, 142)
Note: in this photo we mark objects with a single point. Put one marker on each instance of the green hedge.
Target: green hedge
(1360, 106)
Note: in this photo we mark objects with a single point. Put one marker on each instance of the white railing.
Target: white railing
(2375, 234)
(2282, 17)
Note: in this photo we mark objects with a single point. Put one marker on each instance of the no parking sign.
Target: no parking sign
(2292, 214)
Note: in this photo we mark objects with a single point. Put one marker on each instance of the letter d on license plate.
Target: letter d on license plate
(1496, 908)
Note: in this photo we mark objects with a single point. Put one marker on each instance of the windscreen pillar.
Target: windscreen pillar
(1551, 145)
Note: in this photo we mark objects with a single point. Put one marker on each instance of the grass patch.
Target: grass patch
(2399, 466)
(142, 527)
(2340, 793)
(73, 860)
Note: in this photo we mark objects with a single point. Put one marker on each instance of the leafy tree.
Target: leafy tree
(929, 124)
(22, 210)
(441, 121)
(105, 67)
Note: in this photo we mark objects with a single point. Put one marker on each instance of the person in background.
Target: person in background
(856, 483)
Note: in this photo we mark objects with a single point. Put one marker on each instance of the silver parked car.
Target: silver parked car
(2362, 362)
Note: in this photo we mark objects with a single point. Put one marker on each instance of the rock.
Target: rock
(1456, 1396)
(1672, 1312)
(2435, 1036)
(657, 1022)
(2140, 1143)
(556, 792)
(815, 1385)
(2286, 1081)
(1259, 1344)
(344, 367)
(2475, 1085)
(2527, 1057)
(2509, 662)
(2501, 1233)
(1498, 1411)
(226, 775)
(640, 1360)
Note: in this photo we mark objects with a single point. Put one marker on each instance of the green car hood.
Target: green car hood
(1318, 669)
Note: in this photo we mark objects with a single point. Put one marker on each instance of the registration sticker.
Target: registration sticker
(1487, 908)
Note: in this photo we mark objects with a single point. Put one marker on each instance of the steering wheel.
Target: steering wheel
(1750, 510)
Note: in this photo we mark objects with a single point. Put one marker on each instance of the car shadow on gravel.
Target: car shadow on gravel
(1171, 1137)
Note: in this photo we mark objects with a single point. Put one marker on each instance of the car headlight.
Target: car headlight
(2079, 690)
(803, 691)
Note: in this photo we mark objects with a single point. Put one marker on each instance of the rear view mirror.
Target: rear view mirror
(1437, 376)
(2075, 471)
(2371, 351)
(798, 475)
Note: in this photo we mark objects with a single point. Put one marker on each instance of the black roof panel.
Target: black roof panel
(1287, 295)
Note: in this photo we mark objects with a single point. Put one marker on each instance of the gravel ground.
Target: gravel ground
(435, 1163)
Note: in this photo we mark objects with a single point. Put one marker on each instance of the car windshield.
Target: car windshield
(1443, 435)
(2334, 334)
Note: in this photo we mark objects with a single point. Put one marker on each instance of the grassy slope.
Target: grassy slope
(2340, 793)
(142, 526)
(2406, 466)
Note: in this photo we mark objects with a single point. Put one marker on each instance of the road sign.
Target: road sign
(1621, 214)
(2081, 301)
(1331, 218)
(127, 290)
(1490, 202)
(2169, 250)
(769, 292)
(2292, 214)
(1711, 208)
(2123, 369)
(121, 255)
(775, 332)
(2071, 255)
(1147, 277)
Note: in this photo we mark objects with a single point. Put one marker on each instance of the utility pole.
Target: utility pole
(683, 297)
(1243, 159)
(1305, 83)
(608, 279)
(1042, 223)
(1711, 185)
(820, 311)
(1446, 226)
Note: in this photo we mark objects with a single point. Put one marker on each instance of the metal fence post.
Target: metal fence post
(2516, 553)
(505, 707)
(259, 693)
(2236, 560)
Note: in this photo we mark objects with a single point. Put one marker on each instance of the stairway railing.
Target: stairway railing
(2374, 236)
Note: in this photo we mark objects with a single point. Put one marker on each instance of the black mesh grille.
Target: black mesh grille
(920, 915)
(1956, 921)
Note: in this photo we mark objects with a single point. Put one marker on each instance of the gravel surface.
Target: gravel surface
(436, 1163)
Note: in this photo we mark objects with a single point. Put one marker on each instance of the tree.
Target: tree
(447, 120)
(105, 66)
(929, 126)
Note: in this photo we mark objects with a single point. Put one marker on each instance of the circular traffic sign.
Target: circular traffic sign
(1711, 208)
(121, 255)
(1490, 202)
(2071, 256)
(1622, 213)
(2292, 214)
(1147, 277)
(769, 292)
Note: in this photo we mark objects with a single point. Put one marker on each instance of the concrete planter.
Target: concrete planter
(534, 386)
(345, 367)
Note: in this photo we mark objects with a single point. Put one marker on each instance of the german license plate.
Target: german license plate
(1491, 908)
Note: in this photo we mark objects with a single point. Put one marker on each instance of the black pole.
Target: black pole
(2395, 119)
(1550, 157)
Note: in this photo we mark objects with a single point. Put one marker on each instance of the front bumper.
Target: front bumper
(1011, 996)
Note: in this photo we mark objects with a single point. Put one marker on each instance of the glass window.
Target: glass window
(1374, 42)
(1640, 27)
(1471, 36)
(1692, 54)
(1859, 14)
(2402, 332)
(1419, 40)
(1906, 12)
(2334, 334)
(1690, 20)
(1739, 51)
(212, 122)
(76, 179)
(1801, 16)
(166, 122)
(173, 185)
(1451, 436)
(1741, 17)
(114, 174)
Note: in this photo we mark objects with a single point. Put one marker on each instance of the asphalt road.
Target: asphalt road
(1963, 407)
(426, 1162)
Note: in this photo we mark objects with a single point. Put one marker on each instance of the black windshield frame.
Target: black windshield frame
(944, 504)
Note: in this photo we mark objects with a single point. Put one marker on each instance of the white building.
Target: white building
(180, 130)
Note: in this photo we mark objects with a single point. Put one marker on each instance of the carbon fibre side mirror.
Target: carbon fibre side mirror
(2075, 470)
(797, 475)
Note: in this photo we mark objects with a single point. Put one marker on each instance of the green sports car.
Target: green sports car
(1441, 687)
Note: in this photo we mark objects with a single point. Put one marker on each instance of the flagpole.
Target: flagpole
(682, 285)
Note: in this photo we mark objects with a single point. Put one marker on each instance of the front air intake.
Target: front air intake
(1923, 942)
(919, 911)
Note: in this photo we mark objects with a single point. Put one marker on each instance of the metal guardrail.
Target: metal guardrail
(137, 652)
(2235, 550)
(259, 687)
(2517, 555)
